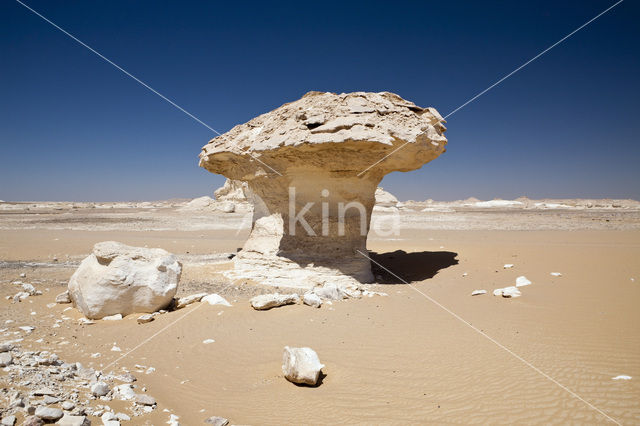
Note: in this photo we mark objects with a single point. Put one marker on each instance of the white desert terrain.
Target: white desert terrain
(428, 351)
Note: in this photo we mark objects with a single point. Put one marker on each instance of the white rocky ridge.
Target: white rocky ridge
(120, 279)
(301, 365)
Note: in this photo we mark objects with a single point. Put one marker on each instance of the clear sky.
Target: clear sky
(72, 127)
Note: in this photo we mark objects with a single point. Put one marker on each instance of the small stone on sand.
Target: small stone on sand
(621, 377)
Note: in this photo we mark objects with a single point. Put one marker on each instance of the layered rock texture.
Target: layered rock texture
(120, 279)
(312, 168)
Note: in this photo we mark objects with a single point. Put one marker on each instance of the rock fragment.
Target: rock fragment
(70, 420)
(181, 302)
(215, 299)
(8, 420)
(301, 365)
(63, 298)
(268, 301)
(100, 389)
(312, 299)
(143, 399)
(143, 319)
(116, 317)
(478, 292)
(217, 421)
(49, 413)
(6, 359)
(522, 281)
(507, 292)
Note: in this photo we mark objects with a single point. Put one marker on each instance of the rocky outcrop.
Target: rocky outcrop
(312, 167)
(120, 279)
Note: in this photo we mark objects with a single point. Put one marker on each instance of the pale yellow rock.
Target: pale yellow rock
(321, 150)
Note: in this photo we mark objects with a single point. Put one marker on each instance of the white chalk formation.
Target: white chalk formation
(119, 279)
(320, 147)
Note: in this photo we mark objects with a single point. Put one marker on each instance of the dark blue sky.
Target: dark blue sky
(72, 127)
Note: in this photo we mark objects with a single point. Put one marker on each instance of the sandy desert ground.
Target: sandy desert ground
(429, 352)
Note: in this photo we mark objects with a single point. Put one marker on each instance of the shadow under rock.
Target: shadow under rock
(415, 266)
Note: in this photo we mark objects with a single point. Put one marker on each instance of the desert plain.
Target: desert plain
(427, 352)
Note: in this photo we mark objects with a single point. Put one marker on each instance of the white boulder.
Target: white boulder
(301, 365)
(268, 301)
(312, 299)
(120, 279)
(522, 281)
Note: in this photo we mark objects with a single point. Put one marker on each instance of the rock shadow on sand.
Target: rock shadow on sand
(411, 267)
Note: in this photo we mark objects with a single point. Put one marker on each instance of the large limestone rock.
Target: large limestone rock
(120, 279)
(312, 168)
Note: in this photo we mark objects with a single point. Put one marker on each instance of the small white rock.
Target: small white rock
(508, 266)
(207, 341)
(215, 299)
(100, 389)
(143, 319)
(268, 301)
(522, 281)
(116, 317)
(312, 299)
(556, 274)
(510, 292)
(301, 365)
(478, 292)
(621, 377)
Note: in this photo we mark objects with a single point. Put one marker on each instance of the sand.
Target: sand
(407, 358)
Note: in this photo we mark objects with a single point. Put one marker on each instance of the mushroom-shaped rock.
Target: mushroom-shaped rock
(312, 168)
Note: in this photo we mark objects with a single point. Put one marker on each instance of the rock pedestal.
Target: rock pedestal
(312, 168)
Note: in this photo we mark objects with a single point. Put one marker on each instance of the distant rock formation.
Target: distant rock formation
(233, 190)
(323, 149)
